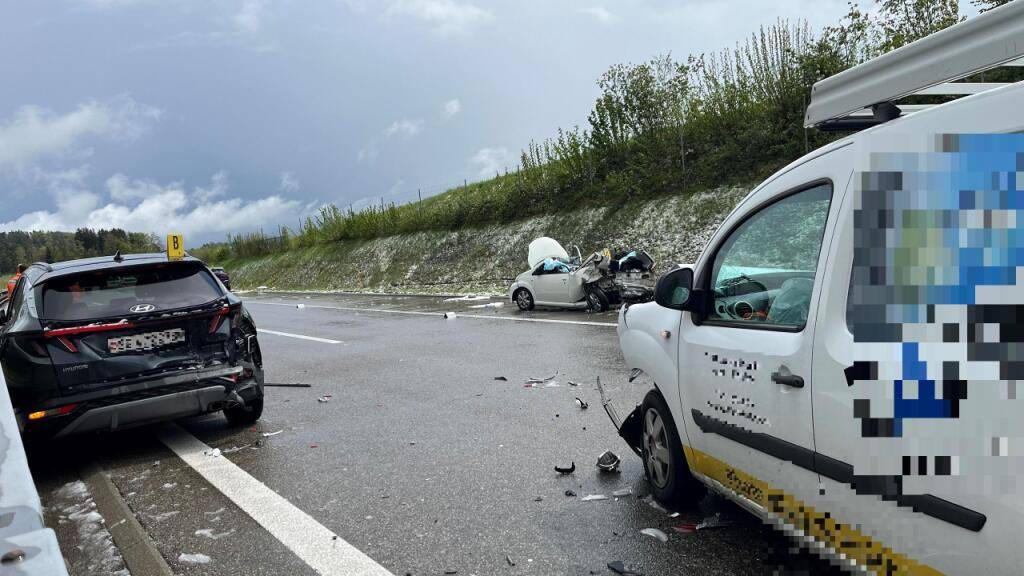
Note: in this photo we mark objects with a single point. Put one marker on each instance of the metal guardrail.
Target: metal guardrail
(27, 547)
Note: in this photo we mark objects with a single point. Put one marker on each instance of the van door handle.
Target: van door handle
(788, 380)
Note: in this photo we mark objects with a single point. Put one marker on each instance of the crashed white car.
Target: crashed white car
(557, 280)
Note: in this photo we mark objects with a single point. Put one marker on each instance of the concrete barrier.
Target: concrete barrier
(27, 547)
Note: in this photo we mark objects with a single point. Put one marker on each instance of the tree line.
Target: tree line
(20, 247)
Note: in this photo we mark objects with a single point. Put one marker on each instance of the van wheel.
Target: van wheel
(245, 414)
(662, 453)
(524, 299)
(597, 300)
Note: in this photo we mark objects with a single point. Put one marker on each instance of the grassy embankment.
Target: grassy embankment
(673, 229)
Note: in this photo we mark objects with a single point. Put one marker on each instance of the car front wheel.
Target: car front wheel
(597, 300)
(245, 414)
(524, 300)
(662, 453)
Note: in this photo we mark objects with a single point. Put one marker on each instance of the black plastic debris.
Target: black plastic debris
(285, 385)
(608, 461)
(569, 470)
(571, 383)
(538, 499)
(570, 493)
(501, 378)
(583, 405)
(619, 568)
(510, 561)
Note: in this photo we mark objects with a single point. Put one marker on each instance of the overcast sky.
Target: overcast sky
(207, 117)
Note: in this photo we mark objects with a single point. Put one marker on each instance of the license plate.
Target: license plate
(147, 341)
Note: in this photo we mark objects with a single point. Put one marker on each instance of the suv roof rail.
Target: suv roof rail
(925, 67)
(43, 265)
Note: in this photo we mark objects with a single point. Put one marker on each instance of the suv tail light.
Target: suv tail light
(61, 411)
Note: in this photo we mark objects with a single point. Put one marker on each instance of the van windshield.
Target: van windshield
(117, 293)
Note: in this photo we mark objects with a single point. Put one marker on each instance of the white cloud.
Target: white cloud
(450, 109)
(249, 17)
(443, 16)
(122, 189)
(601, 13)
(289, 183)
(146, 206)
(33, 133)
(404, 128)
(369, 152)
(490, 161)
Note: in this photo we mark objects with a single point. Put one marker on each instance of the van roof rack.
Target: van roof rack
(864, 95)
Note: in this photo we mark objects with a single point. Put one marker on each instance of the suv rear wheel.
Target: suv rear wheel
(245, 414)
(662, 453)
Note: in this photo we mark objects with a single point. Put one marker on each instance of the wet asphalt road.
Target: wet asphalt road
(419, 458)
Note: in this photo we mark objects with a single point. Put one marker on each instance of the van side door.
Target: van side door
(745, 367)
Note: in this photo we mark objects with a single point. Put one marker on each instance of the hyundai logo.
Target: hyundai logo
(139, 308)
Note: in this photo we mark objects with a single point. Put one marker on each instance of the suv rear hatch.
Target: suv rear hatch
(117, 326)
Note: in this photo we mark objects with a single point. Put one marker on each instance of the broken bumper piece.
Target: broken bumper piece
(630, 429)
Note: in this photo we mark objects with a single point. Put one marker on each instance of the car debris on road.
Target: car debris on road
(608, 461)
(655, 533)
(564, 471)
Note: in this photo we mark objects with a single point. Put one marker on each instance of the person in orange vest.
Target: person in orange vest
(13, 282)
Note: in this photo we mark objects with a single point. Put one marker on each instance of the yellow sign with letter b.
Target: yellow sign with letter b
(175, 246)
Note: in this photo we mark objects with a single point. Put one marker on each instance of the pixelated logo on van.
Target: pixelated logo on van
(936, 302)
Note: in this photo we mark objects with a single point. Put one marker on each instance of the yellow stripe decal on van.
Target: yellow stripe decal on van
(843, 539)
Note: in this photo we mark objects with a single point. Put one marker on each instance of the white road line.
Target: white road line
(421, 313)
(300, 336)
(323, 550)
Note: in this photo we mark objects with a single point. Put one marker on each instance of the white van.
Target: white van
(843, 359)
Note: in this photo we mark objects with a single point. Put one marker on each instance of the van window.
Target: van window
(113, 293)
(763, 274)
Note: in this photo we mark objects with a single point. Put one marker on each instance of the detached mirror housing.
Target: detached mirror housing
(675, 289)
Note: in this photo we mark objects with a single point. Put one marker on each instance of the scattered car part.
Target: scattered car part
(583, 405)
(592, 497)
(608, 461)
(570, 493)
(655, 533)
(622, 493)
(267, 434)
(282, 385)
(501, 378)
(631, 430)
(619, 568)
(564, 471)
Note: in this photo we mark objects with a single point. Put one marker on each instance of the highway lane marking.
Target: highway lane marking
(300, 336)
(435, 314)
(323, 550)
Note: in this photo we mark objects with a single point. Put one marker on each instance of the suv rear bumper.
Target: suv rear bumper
(145, 401)
(148, 410)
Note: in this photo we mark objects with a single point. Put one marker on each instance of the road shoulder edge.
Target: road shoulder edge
(141, 556)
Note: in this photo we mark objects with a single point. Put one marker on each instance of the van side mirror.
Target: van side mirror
(675, 289)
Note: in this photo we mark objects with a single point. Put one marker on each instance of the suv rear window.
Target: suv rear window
(113, 293)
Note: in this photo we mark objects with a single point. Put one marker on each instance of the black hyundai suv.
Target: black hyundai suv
(113, 342)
